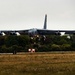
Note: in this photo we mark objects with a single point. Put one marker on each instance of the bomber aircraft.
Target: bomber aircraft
(35, 31)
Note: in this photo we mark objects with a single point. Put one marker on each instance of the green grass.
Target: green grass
(54, 63)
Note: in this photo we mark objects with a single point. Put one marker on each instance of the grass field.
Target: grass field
(52, 63)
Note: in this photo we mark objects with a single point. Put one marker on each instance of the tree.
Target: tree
(17, 40)
(2, 40)
(55, 47)
(11, 40)
(66, 47)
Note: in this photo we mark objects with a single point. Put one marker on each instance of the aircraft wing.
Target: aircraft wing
(36, 31)
(23, 32)
(48, 32)
(14, 32)
(68, 31)
(45, 32)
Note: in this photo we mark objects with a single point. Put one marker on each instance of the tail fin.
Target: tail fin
(45, 22)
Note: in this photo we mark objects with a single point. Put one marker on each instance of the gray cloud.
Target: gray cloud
(22, 14)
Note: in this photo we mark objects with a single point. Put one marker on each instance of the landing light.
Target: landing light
(31, 50)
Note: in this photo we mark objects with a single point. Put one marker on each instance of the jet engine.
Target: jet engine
(57, 33)
(13, 33)
(1, 33)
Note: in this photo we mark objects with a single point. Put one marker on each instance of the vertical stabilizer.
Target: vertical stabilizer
(45, 22)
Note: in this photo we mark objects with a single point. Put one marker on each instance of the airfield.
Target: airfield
(38, 63)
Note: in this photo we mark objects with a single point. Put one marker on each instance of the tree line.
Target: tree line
(41, 44)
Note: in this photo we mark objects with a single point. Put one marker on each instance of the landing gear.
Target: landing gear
(14, 52)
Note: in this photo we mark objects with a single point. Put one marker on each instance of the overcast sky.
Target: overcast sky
(26, 14)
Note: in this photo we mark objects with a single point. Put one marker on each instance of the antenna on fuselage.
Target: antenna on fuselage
(45, 22)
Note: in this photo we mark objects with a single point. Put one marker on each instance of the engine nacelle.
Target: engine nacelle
(1, 33)
(13, 33)
(57, 33)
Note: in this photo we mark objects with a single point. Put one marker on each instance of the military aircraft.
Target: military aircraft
(35, 31)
